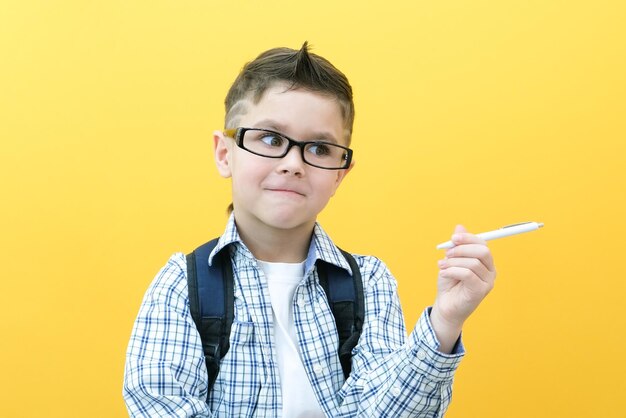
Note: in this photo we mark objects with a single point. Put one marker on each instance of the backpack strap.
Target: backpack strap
(211, 302)
(345, 297)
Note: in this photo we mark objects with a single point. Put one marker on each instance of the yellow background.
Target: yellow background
(476, 112)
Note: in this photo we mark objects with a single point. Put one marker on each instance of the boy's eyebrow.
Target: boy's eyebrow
(281, 128)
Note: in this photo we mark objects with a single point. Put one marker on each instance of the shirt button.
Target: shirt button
(421, 355)
(318, 369)
(301, 303)
(396, 391)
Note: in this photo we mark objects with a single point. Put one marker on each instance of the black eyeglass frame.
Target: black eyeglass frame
(238, 133)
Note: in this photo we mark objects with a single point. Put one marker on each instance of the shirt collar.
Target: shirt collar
(230, 236)
(321, 247)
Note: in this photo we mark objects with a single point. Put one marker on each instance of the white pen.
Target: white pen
(500, 233)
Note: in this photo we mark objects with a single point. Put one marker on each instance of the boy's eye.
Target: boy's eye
(320, 149)
(272, 140)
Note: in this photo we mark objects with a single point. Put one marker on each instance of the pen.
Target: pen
(505, 231)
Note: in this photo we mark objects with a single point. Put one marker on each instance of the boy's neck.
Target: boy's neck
(276, 245)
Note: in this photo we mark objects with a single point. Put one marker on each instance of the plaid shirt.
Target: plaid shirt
(392, 375)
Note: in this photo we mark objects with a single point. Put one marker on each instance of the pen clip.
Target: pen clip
(521, 223)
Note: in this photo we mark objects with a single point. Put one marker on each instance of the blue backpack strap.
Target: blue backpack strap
(211, 302)
(345, 297)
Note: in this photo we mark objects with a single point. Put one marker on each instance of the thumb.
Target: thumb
(459, 229)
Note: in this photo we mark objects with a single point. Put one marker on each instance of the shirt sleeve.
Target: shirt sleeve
(165, 373)
(392, 375)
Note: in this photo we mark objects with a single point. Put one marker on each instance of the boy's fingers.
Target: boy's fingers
(462, 274)
(459, 238)
(473, 265)
(478, 251)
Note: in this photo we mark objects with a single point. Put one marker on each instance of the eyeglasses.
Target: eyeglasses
(270, 144)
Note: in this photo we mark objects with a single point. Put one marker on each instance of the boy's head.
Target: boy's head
(296, 70)
(288, 123)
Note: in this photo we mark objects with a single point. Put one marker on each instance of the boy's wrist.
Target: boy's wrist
(447, 332)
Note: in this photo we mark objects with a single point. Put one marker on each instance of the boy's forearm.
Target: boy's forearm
(413, 377)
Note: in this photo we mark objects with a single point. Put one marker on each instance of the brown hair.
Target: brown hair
(298, 69)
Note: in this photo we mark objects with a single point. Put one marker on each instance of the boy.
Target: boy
(289, 117)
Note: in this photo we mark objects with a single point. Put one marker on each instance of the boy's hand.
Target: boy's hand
(466, 276)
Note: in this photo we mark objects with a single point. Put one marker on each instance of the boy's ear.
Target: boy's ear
(341, 174)
(222, 148)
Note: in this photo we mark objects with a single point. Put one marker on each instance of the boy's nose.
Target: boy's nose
(292, 162)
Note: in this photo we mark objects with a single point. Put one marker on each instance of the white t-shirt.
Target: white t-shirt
(298, 397)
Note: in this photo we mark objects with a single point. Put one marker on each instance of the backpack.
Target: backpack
(211, 302)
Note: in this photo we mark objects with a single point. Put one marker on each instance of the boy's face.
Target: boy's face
(282, 193)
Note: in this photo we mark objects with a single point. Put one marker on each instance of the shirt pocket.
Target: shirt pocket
(236, 390)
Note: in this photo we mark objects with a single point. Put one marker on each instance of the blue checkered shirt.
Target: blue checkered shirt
(392, 375)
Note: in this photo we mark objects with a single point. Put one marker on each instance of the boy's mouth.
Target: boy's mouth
(285, 190)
